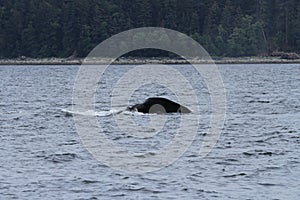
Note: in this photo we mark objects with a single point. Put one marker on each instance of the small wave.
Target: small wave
(144, 155)
(259, 101)
(90, 181)
(61, 157)
(269, 184)
(234, 175)
(71, 142)
(263, 153)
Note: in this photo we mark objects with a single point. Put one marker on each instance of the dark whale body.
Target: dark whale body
(159, 105)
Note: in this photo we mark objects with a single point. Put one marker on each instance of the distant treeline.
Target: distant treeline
(60, 28)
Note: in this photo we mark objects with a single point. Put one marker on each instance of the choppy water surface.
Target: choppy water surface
(256, 157)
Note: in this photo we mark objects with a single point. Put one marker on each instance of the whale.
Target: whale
(159, 105)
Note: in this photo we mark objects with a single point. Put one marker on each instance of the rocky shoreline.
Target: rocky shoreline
(135, 61)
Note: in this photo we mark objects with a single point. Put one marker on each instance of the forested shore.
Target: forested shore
(225, 28)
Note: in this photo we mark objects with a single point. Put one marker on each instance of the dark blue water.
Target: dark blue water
(256, 157)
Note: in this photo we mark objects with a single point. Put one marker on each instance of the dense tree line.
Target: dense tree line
(60, 28)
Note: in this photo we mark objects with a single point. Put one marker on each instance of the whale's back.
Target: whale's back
(161, 105)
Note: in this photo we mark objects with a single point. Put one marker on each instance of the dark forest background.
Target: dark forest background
(61, 28)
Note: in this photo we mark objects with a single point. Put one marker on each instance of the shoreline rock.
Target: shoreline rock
(136, 61)
(286, 55)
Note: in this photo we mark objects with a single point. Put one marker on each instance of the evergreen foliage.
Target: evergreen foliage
(61, 28)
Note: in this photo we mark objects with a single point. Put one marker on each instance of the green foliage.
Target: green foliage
(61, 28)
(247, 39)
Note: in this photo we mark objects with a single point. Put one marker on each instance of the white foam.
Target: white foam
(93, 113)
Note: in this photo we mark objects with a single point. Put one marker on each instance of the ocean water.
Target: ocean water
(256, 156)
